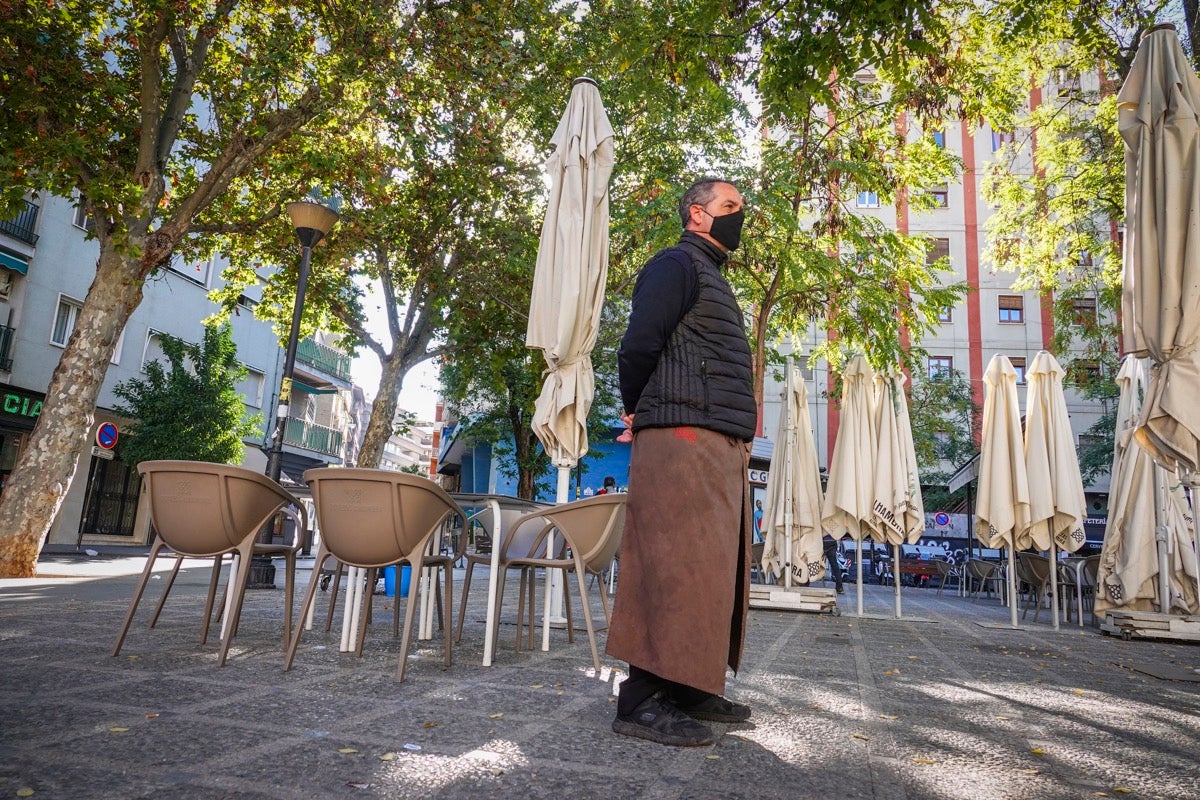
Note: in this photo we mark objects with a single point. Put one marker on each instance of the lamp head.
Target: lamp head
(312, 221)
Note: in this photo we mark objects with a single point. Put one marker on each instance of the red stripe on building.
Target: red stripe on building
(971, 227)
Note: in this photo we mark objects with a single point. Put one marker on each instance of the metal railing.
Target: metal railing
(325, 358)
(23, 224)
(311, 436)
(6, 342)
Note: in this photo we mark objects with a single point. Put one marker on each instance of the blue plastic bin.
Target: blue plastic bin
(389, 580)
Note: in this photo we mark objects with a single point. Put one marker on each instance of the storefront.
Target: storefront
(19, 410)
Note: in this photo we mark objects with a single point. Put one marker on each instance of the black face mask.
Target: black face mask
(727, 229)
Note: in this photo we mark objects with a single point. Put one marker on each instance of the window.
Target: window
(867, 200)
(938, 249)
(946, 315)
(83, 219)
(1012, 308)
(1084, 312)
(1068, 82)
(940, 195)
(197, 272)
(64, 320)
(1019, 366)
(940, 367)
(1001, 139)
(939, 139)
(1082, 372)
(251, 387)
(1085, 258)
(153, 350)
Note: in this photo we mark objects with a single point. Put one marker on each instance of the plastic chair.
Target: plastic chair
(592, 530)
(1077, 580)
(946, 570)
(203, 510)
(520, 544)
(1034, 571)
(372, 518)
(984, 576)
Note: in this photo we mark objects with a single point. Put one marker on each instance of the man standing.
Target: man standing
(686, 382)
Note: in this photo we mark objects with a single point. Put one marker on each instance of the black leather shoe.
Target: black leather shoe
(715, 708)
(658, 720)
(841, 589)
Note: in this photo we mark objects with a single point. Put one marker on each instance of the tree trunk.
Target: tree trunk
(383, 412)
(47, 464)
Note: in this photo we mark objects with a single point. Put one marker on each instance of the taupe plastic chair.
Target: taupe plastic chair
(520, 543)
(1034, 571)
(374, 518)
(592, 529)
(946, 570)
(984, 576)
(204, 510)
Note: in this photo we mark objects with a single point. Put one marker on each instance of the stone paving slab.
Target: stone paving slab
(843, 707)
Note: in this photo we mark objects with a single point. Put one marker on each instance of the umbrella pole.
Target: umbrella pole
(1160, 541)
(896, 576)
(1012, 585)
(858, 561)
(789, 499)
(1190, 480)
(1053, 579)
(554, 587)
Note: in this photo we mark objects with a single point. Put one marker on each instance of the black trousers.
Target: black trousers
(831, 547)
(642, 683)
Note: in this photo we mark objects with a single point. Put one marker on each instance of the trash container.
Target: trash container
(389, 580)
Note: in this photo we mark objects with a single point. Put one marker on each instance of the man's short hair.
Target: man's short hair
(699, 193)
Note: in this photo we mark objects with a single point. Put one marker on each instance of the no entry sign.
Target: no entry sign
(106, 435)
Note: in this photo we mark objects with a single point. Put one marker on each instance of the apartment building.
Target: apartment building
(46, 266)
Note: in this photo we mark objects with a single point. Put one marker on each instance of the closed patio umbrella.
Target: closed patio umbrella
(792, 546)
(1056, 502)
(898, 511)
(1144, 497)
(569, 280)
(1002, 506)
(850, 493)
(1160, 302)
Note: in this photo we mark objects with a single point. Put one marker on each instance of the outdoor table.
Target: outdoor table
(492, 503)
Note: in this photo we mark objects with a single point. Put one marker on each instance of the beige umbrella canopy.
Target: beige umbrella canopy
(1142, 494)
(1160, 303)
(1003, 504)
(850, 493)
(792, 511)
(569, 279)
(899, 513)
(1057, 505)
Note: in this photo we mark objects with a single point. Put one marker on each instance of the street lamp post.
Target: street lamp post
(312, 222)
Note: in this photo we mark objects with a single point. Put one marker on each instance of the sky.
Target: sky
(420, 391)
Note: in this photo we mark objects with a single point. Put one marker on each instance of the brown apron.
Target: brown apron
(683, 589)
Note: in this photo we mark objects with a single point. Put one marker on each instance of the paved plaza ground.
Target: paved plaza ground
(937, 705)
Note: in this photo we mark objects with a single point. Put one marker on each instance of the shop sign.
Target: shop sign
(20, 405)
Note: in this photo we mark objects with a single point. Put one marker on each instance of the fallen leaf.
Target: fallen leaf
(496, 716)
(1000, 717)
(912, 658)
(347, 750)
(1122, 790)
(559, 693)
(1029, 771)
(924, 761)
(537, 686)
(1037, 751)
(429, 725)
(116, 729)
(712, 757)
(888, 716)
(388, 757)
(864, 737)
(888, 672)
(152, 716)
(357, 785)
(24, 791)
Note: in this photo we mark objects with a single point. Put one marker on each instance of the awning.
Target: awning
(14, 261)
(307, 389)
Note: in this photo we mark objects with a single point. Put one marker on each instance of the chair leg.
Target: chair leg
(309, 597)
(396, 600)
(212, 595)
(604, 603)
(289, 591)
(333, 594)
(414, 589)
(521, 604)
(449, 569)
(162, 600)
(587, 612)
(567, 607)
(365, 619)
(137, 595)
(237, 585)
(462, 605)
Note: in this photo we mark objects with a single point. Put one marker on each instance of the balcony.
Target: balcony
(23, 224)
(325, 358)
(313, 437)
(6, 342)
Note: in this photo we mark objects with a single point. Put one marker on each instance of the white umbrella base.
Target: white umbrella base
(1151, 625)
(797, 598)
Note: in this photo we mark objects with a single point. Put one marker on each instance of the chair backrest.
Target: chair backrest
(592, 526)
(1091, 566)
(979, 569)
(203, 509)
(376, 517)
(1033, 568)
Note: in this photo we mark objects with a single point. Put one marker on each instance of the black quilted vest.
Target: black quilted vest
(704, 376)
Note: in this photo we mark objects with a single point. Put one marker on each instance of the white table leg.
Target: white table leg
(489, 625)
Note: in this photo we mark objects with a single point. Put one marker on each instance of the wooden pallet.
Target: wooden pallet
(1151, 625)
(798, 598)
